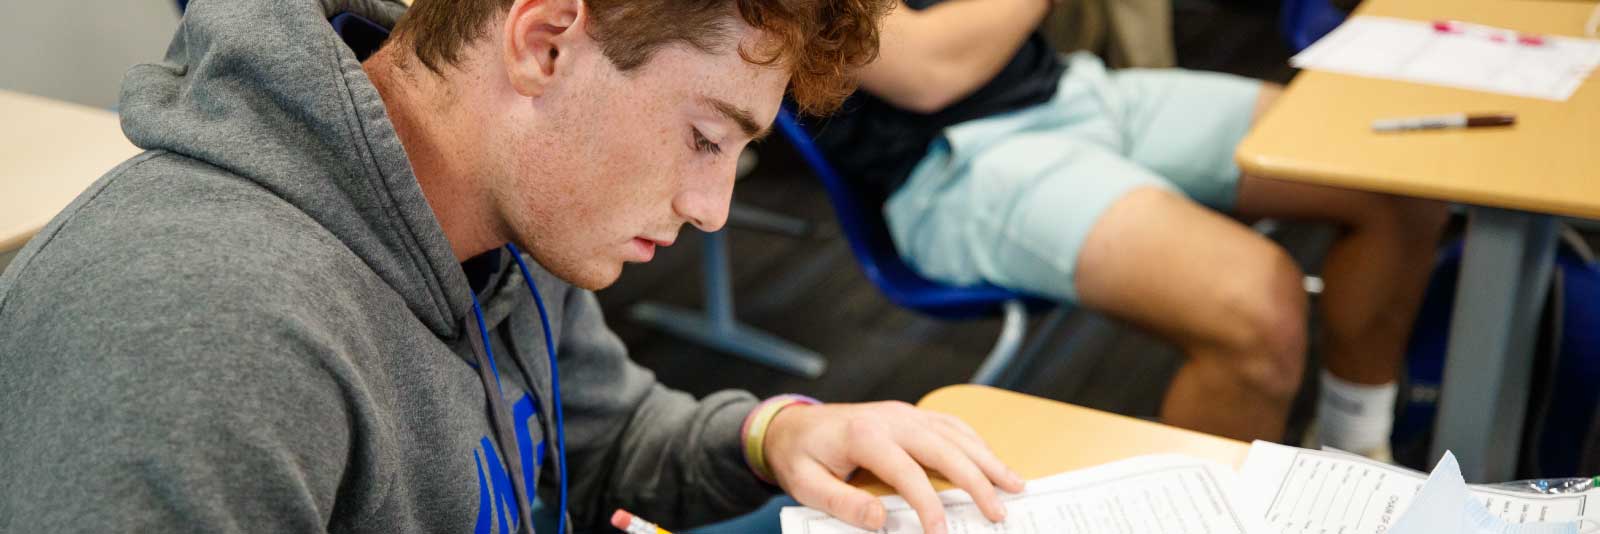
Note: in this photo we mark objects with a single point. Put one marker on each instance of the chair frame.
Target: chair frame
(874, 251)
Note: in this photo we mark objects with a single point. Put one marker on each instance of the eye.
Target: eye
(703, 145)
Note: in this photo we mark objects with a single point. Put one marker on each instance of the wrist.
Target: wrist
(755, 430)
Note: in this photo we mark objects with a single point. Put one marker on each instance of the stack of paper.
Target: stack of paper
(1471, 57)
(1279, 489)
(1444, 505)
(1307, 491)
(1147, 494)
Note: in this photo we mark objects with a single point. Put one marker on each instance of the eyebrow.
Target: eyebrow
(739, 116)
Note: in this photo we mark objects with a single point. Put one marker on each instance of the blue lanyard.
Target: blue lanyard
(555, 382)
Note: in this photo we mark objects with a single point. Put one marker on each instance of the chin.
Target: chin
(592, 278)
(594, 274)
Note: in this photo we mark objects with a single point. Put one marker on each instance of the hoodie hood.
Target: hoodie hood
(301, 119)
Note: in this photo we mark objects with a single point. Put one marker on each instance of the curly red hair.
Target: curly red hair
(819, 42)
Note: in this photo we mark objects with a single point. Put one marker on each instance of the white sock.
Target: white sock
(1355, 417)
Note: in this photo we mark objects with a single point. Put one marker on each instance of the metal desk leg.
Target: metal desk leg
(717, 328)
(1505, 277)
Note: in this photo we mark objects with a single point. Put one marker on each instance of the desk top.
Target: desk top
(1041, 437)
(1320, 132)
(49, 152)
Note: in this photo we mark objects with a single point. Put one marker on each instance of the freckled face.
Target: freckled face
(622, 160)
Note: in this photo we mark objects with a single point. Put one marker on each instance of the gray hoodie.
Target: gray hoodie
(257, 325)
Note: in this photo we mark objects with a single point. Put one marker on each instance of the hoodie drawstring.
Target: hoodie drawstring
(489, 373)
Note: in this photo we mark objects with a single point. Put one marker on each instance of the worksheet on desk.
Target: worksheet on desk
(1149, 494)
(1303, 491)
(1477, 57)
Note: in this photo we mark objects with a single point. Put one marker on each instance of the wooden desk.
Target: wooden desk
(1319, 132)
(1041, 437)
(49, 152)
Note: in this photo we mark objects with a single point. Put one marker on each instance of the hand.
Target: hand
(812, 449)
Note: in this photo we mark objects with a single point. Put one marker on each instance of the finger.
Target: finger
(956, 423)
(813, 485)
(937, 451)
(885, 458)
(980, 453)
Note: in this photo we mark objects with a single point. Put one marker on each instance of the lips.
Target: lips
(644, 249)
(660, 242)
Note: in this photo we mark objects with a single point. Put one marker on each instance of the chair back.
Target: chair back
(1302, 22)
(861, 220)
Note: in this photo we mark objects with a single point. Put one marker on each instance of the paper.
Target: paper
(1444, 504)
(1149, 494)
(1301, 491)
(1477, 57)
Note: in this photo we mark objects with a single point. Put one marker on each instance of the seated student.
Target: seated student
(270, 320)
(1010, 164)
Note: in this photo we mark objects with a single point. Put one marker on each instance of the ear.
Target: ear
(537, 34)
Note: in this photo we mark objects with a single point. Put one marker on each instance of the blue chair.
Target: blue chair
(1302, 22)
(860, 219)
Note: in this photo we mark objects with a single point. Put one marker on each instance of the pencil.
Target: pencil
(633, 524)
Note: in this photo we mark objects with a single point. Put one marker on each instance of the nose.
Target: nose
(704, 200)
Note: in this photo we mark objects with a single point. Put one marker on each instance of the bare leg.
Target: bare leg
(1374, 274)
(1231, 298)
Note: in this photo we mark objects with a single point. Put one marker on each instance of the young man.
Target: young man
(270, 320)
(1012, 165)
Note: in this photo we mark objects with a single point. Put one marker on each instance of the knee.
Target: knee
(1265, 306)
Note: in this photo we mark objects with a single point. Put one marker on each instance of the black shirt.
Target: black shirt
(876, 144)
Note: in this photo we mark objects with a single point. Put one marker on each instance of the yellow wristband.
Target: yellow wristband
(755, 432)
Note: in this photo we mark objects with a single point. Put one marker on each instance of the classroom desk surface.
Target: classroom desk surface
(1041, 437)
(1514, 180)
(1549, 162)
(49, 152)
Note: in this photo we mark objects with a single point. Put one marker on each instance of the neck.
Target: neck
(430, 123)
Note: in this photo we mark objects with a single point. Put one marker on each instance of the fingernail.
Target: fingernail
(873, 517)
(996, 511)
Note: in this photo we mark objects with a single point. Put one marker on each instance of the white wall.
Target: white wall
(77, 50)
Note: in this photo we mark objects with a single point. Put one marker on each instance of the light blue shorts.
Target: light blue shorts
(1010, 199)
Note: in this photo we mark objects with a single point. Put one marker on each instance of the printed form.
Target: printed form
(1302, 491)
(1474, 57)
(1149, 494)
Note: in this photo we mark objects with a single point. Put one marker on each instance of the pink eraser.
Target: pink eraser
(621, 519)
